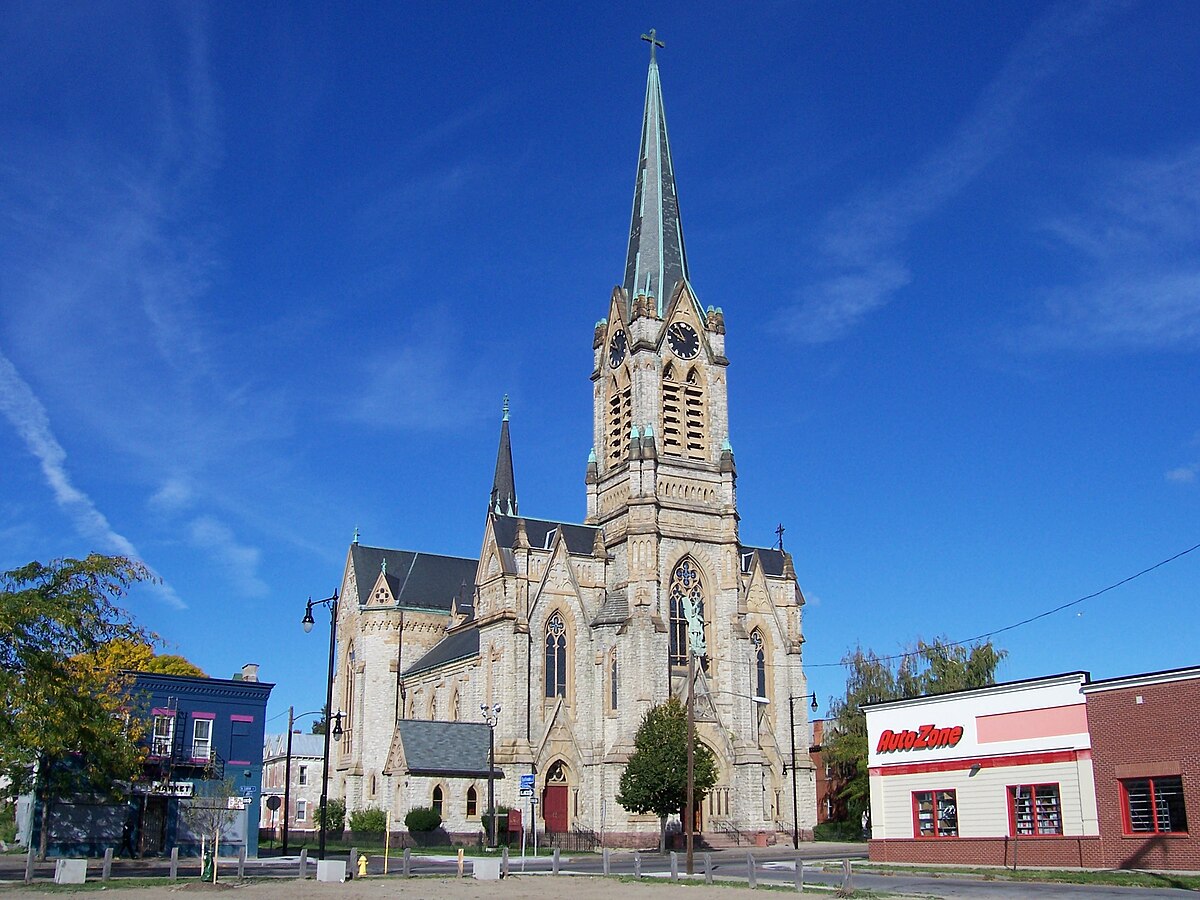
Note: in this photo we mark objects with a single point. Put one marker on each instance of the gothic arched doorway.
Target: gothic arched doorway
(554, 799)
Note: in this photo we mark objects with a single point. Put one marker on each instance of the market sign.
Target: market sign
(927, 737)
(171, 788)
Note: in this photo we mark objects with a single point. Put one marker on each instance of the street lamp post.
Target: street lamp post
(795, 810)
(330, 720)
(287, 773)
(490, 715)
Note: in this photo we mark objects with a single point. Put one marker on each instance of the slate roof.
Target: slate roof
(455, 749)
(613, 611)
(417, 580)
(771, 558)
(459, 645)
(541, 533)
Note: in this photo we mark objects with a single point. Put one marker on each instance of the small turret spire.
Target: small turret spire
(656, 261)
(504, 489)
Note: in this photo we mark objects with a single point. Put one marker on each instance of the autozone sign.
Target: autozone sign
(926, 737)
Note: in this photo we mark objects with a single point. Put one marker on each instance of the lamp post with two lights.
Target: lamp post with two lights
(792, 715)
(490, 715)
(333, 723)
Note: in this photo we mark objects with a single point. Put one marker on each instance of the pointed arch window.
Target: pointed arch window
(454, 706)
(348, 702)
(672, 413)
(620, 417)
(694, 414)
(438, 799)
(759, 655)
(685, 586)
(472, 802)
(612, 680)
(556, 656)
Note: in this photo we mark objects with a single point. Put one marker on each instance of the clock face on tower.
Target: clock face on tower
(684, 341)
(616, 349)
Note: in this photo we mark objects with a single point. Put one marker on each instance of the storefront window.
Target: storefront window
(935, 814)
(1034, 809)
(1154, 805)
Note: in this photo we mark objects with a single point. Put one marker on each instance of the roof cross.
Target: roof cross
(779, 531)
(652, 37)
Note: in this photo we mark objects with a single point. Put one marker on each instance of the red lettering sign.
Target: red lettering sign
(927, 737)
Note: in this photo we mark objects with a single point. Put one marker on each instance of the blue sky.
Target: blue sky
(266, 272)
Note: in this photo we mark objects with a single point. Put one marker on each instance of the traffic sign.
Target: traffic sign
(527, 782)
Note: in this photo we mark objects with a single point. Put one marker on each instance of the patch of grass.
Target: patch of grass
(1109, 877)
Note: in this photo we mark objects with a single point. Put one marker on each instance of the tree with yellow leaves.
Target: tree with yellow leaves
(70, 726)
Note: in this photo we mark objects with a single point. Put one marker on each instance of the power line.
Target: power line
(1041, 615)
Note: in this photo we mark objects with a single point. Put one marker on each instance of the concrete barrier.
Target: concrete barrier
(486, 868)
(70, 871)
(331, 870)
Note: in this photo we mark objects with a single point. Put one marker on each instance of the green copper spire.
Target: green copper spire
(656, 261)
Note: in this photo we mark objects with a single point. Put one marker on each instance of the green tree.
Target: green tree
(318, 725)
(337, 818)
(655, 778)
(928, 668)
(69, 726)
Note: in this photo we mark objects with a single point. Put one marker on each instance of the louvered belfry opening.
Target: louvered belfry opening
(693, 394)
(672, 411)
(620, 418)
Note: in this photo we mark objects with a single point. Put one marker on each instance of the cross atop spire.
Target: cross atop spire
(652, 37)
(656, 261)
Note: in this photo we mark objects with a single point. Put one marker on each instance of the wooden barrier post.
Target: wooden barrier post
(674, 866)
(604, 856)
(174, 863)
(751, 874)
(406, 866)
(107, 870)
(799, 875)
(637, 865)
(554, 864)
(708, 868)
(303, 864)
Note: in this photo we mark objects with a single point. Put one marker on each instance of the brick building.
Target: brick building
(828, 781)
(1145, 756)
(304, 797)
(1056, 771)
(577, 629)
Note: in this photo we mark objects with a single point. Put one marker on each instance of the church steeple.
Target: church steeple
(656, 261)
(504, 487)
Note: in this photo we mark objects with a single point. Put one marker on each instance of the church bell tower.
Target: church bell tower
(661, 457)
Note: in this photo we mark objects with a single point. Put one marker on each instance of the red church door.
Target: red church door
(554, 807)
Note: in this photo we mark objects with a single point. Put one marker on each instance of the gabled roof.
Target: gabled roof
(614, 610)
(542, 532)
(656, 261)
(453, 749)
(772, 559)
(417, 580)
(455, 646)
(304, 745)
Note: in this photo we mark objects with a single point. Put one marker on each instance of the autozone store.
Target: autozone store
(1055, 771)
(993, 776)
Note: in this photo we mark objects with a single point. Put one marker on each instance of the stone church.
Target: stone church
(575, 630)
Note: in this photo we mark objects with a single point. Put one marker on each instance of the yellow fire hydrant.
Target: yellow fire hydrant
(362, 864)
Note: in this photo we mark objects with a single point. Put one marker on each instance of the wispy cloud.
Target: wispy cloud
(240, 561)
(1138, 244)
(861, 247)
(1184, 474)
(28, 417)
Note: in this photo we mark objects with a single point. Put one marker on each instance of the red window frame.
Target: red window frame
(1155, 813)
(1035, 790)
(934, 798)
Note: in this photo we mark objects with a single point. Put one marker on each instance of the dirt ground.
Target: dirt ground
(538, 887)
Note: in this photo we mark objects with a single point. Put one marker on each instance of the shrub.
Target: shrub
(422, 818)
(371, 820)
(838, 831)
(337, 817)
